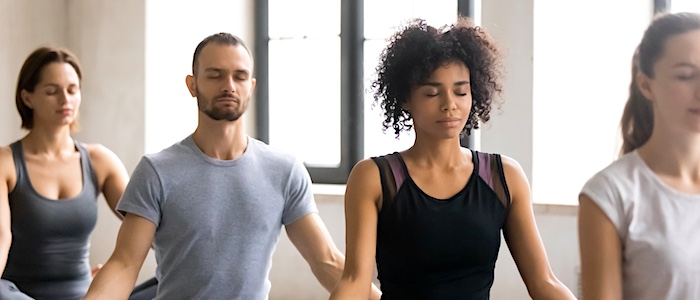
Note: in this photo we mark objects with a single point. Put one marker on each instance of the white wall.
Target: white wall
(173, 30)
(510, 129)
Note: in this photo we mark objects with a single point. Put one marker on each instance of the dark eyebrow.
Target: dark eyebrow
(213, 70)
(436, 84)
(219, 70)
(684, 64)
(55, 85)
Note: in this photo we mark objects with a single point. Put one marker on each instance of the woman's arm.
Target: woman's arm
(601, 255)
(362, 195)
(524, 240)
(7, 178)
(111, 174)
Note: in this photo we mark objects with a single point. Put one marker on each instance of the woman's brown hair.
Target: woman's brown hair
(30, 75)
(637, 120)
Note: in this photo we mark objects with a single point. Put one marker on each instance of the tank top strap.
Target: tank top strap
(489, 167)
(392, 173)
(18, 158)
(86, 165)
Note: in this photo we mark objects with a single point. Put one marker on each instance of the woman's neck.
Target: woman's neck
(442, 152)
(673, 154)
(50, 142)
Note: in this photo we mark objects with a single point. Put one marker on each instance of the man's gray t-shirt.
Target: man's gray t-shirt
(217, 221)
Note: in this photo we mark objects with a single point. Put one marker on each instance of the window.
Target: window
(581, 75)
(685, 5)
(313, 76)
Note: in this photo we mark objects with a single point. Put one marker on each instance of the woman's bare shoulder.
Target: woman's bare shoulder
(7, 164)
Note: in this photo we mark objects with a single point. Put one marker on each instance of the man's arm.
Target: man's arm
(118, 276)
(310, 236)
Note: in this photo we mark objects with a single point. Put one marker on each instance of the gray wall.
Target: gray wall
(109, 39)
(21, 32)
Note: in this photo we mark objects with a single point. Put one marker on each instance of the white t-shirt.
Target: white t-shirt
(658, 226)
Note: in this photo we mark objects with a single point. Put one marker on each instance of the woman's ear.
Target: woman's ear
(644, 85)
(406, 106)
(26, 98)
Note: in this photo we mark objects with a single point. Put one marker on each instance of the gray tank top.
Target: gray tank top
(48, 258)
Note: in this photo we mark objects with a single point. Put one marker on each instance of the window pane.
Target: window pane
(305, 98)
(581, 77)
(685, 5)
(382, 18)
(290, 18)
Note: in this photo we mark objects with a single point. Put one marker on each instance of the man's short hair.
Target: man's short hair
(221, 38)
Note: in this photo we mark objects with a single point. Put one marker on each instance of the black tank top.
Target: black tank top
(429, 248)
(48, 258)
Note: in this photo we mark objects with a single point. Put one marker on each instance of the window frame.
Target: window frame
(662, 6)
(351, 86)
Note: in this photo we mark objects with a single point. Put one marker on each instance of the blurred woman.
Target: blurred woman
(50, 183)
(638, 217)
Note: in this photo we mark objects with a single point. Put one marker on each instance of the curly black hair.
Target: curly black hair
(416, 50)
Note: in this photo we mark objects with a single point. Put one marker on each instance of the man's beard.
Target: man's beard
(219, 114)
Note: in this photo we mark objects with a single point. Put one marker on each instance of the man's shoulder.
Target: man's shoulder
(175, 153)
(271, 154)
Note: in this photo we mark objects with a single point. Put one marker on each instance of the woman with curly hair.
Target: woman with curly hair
(638, 217)
(432, 215)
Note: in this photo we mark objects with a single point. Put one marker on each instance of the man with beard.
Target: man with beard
(214, 203)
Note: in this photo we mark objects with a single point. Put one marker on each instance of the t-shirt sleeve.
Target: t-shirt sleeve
(604, 194)
(299, 197)
(143, 193)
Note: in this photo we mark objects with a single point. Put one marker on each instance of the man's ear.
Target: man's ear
(26, 98)
(644, 85)
(191, 85)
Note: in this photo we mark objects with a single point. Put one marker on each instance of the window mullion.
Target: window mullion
(262, 93)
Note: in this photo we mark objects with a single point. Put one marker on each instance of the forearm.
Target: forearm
(5, 242)
(551, 289)
(357, 289)
(330, 276)
(329, 272)
(114, 281)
